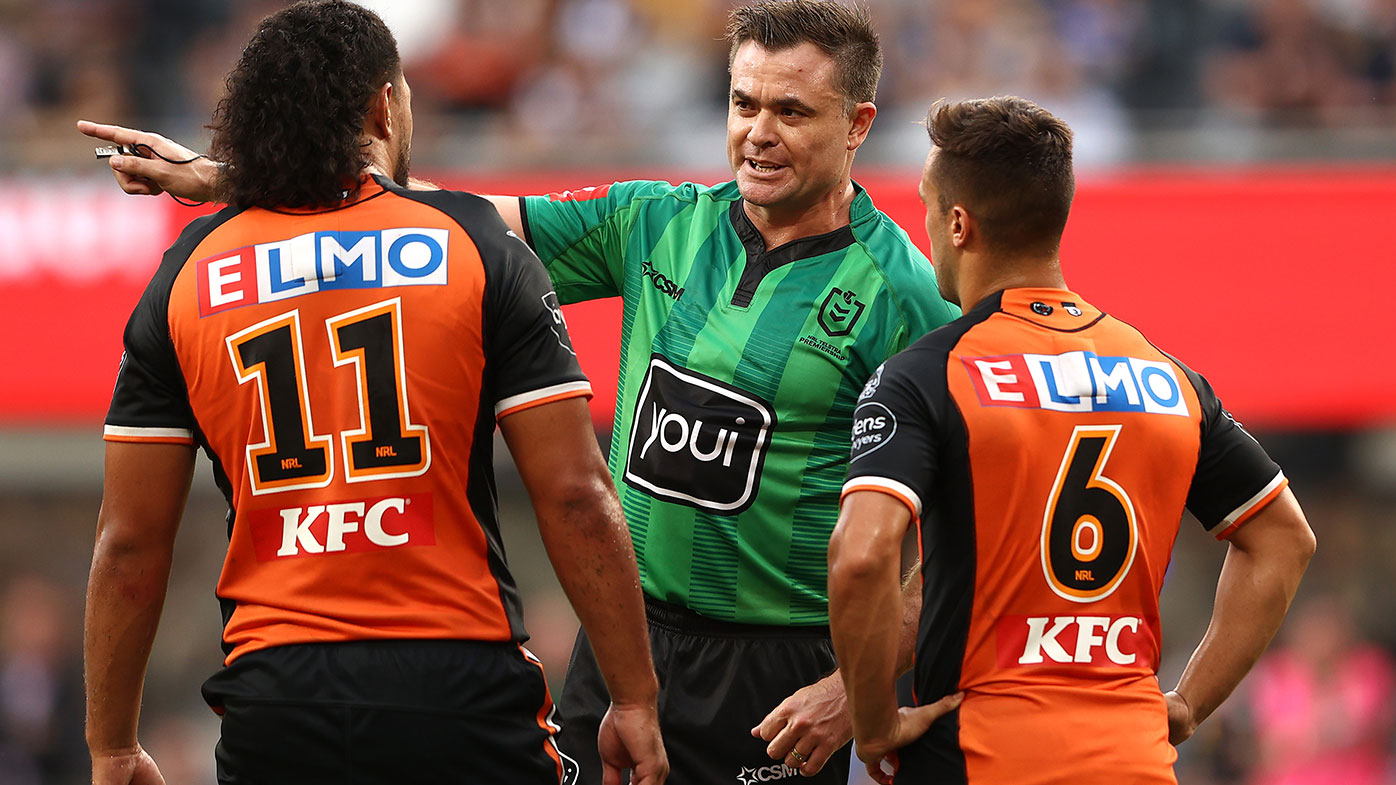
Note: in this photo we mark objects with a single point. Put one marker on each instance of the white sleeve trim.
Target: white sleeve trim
(148, 433)
(515, 401)
(886, 483)
(1240, 512)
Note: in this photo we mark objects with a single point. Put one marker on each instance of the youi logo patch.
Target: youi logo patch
(697, 441)
(262, 273)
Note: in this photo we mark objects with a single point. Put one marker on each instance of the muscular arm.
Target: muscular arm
(867, 604)
(580, 521)
(1264, 563)
(143, 497)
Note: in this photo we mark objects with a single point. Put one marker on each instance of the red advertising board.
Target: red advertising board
(1271, 283)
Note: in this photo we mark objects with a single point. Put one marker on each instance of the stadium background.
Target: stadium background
(1237, 201)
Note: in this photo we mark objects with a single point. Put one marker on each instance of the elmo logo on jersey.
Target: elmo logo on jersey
(696, 440)
(1077, 382)
(318, 261)
(1075, 640)
(342, 527)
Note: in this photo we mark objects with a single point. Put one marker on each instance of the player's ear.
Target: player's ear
(380, 116)
(861, 121)
(963, 227)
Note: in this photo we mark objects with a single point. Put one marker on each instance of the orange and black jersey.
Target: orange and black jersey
(1047, 452)
(344, 369)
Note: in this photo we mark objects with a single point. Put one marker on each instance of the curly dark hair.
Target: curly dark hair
(289, 128)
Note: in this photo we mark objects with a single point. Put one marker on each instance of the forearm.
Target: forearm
(911, 618)
(125, 594)
(865, 614)
(589, 546)
(1253, 594)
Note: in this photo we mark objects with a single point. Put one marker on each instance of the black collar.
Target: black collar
(760, 262)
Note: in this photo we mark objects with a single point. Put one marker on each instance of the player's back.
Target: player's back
(1065, 449)
(345, 368)
(1082, 440)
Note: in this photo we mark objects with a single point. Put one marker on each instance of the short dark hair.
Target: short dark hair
(1008, 161)
(844, 33)
(289, 128)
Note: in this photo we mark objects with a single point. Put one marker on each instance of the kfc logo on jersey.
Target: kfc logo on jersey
(873, 426)
(697, 441)
(322, 261)
(342, 527)
(1025, 641)
(1077, 382)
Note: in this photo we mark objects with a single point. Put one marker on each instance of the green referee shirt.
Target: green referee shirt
(740, 368)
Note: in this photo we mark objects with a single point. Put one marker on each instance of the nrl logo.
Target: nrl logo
(840, 312)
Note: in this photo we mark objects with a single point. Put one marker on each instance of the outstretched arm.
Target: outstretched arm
(142, 501)
(1264, 563)
(580, 520)
(150, 174)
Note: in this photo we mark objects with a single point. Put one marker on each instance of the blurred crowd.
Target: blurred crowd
(546, 83)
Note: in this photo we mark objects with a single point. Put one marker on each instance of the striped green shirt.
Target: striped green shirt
(740, 369)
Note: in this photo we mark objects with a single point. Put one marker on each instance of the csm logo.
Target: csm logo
(873, 426)
(751, 776)
(319, 261)
(1077, 382)
(342, 527)
(1075, 640)
(661, 282)
(697, 441)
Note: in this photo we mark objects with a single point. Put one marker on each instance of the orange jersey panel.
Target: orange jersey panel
(343, 368)
(1049, 451)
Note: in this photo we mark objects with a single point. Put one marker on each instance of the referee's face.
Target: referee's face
(790, 136)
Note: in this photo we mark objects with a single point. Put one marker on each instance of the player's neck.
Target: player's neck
(778, 226)
(985, 279)
(379, 160)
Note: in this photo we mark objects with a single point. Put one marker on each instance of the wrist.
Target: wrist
(112, 751)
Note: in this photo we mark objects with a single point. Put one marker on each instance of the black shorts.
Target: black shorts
(717, 680)
(395, 712)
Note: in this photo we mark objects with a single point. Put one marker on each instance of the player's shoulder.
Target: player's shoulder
(464, 208)
(1146, 345)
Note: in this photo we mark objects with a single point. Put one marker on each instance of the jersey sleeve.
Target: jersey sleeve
(1235, 478)
(150, 403)
(529, 358)
(894, 445)
(581, 236)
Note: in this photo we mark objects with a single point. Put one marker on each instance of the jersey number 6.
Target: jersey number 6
(386, 443)
(1089, 534)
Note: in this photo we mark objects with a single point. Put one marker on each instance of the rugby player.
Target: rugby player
(1045, 452)
(753, 311)
(342, 349)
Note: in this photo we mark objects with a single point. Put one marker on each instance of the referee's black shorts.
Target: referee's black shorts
(399, 712)
(717, 680)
